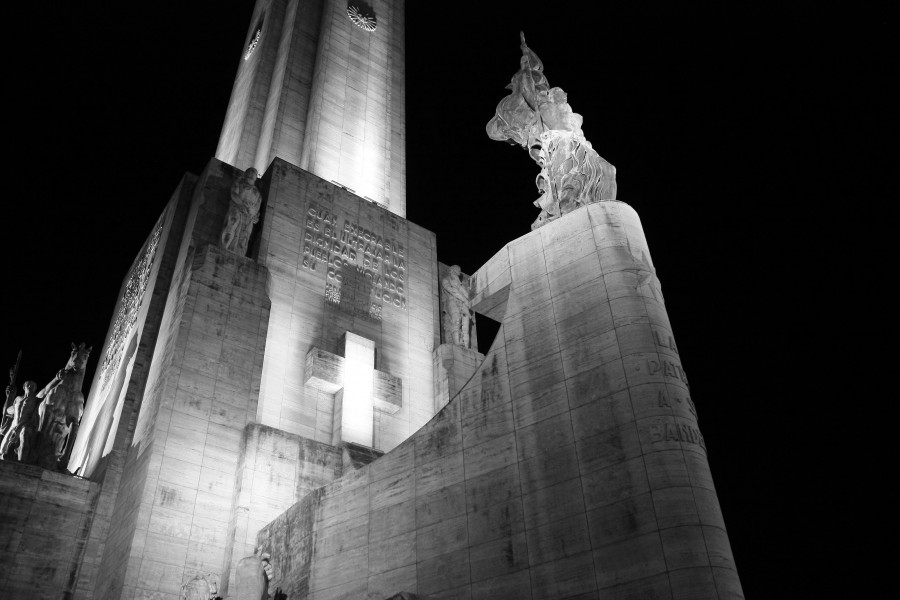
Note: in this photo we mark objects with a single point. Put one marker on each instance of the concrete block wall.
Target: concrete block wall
(44, 530)
(111, 468)
(275, 469)
(300, 205)
(570, 466)
(453, 367)
(174, 506)
(356, 132)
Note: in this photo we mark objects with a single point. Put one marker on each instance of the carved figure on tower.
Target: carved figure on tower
(457, 317)
(243, 213)
(62, 408)
(12, 390)
(540, 119)
(18, 442)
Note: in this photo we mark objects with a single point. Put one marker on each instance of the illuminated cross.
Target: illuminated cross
(359, 389)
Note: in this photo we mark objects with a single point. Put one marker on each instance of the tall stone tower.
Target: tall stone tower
(230, 386)
(321, 85)
(296, 395)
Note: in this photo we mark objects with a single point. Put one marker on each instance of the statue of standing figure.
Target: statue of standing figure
(18, 443)
(540, 119)
(62, 408)
(243, 213)
(457, 318)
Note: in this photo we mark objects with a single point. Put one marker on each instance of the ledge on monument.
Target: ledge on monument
(219, 263)
(15, 471)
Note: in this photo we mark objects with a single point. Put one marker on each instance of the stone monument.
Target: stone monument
(243, 213)
(539, 118)
(18, 443)
(61, 409)
(566, 463)
(457, 317)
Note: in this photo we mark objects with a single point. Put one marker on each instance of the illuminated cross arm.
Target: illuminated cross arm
(357, 386)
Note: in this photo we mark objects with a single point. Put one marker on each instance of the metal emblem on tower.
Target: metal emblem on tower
(362, 15)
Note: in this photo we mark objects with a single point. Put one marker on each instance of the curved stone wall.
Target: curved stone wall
(571, 463)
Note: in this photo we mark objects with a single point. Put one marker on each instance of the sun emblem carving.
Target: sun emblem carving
(362, 15)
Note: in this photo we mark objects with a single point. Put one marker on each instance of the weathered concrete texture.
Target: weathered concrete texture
(356, 132)
(323, 94)
(44, 530)
(275, 469)
(453, 367)
(108, 422)
(171, 515)
(340, 264)
(570, 466)
(267, 112)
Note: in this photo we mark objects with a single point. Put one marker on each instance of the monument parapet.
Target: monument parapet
(570, 463)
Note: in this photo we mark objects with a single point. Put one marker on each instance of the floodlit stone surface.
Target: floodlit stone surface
(562, 469)
(46, 516)
(323, 94)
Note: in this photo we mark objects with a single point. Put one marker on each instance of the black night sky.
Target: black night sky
(753, 145)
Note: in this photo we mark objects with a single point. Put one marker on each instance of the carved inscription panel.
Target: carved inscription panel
(363, 270)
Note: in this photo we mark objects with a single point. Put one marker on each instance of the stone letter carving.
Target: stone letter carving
(18, 442)
(243, 213)
(457, 318)
(539, 118)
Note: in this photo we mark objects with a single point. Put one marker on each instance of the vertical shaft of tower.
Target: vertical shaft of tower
(324, 92)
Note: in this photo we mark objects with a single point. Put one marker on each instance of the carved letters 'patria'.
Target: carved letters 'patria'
(539, 118)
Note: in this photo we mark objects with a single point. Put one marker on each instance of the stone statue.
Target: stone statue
(539, 118)
(19, 439)
(12, 389)
(457, 317)
(201, 587)
(62, 408)
(252, 577)
(243, 213)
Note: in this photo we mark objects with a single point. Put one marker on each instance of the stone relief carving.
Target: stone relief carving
(201, 587)
(18, 442)
(540, 119)
(457, 317)
(61, 410)
(243, 213)
(129, 307)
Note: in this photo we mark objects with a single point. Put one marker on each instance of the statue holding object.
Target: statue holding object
(540, 119)
(18, 442)
(243, 213)
(12, 390)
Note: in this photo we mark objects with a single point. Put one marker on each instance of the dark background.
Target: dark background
(756, 147)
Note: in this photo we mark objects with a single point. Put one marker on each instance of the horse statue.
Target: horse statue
(61, 409)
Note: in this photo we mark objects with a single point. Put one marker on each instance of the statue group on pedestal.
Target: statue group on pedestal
(39, 427)
(243, 213)
(457, 318)
(539, 118)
